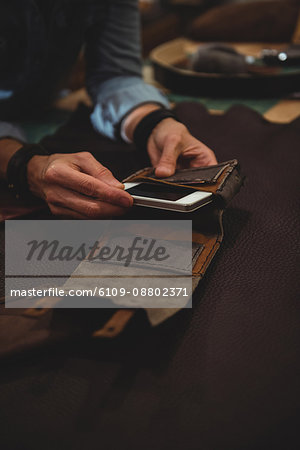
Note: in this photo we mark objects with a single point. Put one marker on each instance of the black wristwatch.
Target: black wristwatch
(145, 127)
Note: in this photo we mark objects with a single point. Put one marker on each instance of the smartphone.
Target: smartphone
(164, 196)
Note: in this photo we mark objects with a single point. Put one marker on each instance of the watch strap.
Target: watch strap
(145, 127)
(16, 172)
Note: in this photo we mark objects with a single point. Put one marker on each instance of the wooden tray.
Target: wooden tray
(169, 59)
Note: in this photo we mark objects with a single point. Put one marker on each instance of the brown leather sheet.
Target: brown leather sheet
(224, 375)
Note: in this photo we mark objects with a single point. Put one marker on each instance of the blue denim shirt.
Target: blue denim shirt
(56, 30)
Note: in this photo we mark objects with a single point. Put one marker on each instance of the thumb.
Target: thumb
(167, 163)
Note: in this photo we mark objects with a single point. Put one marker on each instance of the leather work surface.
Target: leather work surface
(223, 375)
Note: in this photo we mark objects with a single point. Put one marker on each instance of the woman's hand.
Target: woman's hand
(77, 186)
(170, 145)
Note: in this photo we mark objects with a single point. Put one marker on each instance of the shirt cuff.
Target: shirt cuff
(123, 133)
(12, 131)
(118, 97)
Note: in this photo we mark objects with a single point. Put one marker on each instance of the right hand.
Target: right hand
(77, 186)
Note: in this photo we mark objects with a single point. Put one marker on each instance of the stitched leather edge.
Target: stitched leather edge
(146, 173)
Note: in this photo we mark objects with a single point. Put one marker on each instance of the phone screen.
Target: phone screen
(163, 192)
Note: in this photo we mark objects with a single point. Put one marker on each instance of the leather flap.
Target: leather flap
(197, 175)
(223, 180)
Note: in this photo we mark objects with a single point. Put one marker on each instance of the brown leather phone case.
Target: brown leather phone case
(223, 181)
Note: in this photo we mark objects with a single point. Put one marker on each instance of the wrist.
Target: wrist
(148, 124)
(133, 119)
(170, 122)
(35, 169)
(16, 172)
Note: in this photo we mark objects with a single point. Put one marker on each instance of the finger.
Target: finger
(197, 155)
(154, 153)
(92, 167)
(65, 176)
(85, 206)
(206, 159)
(167, 163)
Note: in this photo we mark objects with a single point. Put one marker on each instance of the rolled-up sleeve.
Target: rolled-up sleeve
(117, 98)
(114, 71)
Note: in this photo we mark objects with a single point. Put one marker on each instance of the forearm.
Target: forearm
(7, 148)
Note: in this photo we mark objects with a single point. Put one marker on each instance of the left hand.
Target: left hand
(171, 146)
